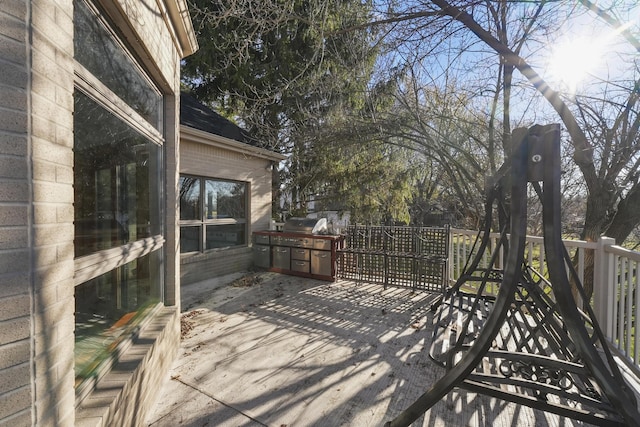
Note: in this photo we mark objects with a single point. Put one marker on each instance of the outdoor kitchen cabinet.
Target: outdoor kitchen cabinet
(321, 263)
(301, 260)
(262, 252)
(307, 255)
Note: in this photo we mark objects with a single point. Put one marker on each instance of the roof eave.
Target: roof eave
(199, 136)
(183, 27)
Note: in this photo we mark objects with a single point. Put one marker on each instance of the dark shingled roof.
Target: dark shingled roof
(199, 116)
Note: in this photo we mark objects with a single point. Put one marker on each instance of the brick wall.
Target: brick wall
(215, 263)
(15, 277)
(217, 162)
(52, 205)
(36, 225)
(36, 212)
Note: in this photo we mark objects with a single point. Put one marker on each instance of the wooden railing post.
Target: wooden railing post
(604, 287)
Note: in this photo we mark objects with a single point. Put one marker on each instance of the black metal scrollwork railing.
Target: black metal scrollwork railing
(529, 343)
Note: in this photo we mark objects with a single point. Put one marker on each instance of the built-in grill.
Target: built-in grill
(303, 247)
(306, 226)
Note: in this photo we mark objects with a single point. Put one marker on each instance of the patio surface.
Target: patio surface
(282, 351)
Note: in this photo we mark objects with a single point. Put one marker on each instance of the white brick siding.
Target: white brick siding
(208, 158)
(36, 207)
(16, 393)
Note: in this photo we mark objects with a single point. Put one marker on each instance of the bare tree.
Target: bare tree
(602, 126)
(482, 52)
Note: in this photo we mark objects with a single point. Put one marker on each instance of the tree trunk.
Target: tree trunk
(627, 216)
(598, 203)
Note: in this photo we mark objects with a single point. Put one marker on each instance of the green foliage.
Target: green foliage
(291, 72)
(278, 66)
(369, 179)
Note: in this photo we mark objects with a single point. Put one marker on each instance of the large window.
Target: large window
(213, 213)
(118, 182)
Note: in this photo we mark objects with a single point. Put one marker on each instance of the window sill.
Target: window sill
(198, 256)
(134, 371)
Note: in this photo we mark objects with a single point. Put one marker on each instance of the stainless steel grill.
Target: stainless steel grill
(306, 226)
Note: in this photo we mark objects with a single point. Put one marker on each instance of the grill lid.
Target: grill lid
(306, 226)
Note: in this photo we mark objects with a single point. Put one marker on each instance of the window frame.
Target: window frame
(93, 265)
(203, 222)
(92, 87)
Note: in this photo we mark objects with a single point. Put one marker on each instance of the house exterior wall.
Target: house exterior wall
(16, 275)
(217, 162)
(36, 276)
(36, 214)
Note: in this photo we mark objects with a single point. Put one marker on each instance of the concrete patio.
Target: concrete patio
(267, 349)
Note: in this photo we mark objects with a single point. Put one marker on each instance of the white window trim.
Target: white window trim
(101, 94)
(204, 222)
(91, 266)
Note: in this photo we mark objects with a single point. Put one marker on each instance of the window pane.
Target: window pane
(224, 199)
(116, 180)
(109, 308)
(221, 236)
(189, 239)
(190, 198)
(97, 51)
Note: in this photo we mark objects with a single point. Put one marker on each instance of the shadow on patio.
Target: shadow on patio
(284, 351)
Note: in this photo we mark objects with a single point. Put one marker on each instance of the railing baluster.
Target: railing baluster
(612, 287)
(620, 305)
(581, 264)
(628, 315)
(543, 264)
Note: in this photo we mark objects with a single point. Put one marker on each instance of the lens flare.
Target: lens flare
(573, 60)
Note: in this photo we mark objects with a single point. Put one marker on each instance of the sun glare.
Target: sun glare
(573, 60)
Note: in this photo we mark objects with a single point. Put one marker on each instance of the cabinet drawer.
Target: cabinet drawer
(300, 254)
(301, 242)
(262, 256)
(300, 266)
(261, 239)
(322, 244)
(279, 240)
(281, 257)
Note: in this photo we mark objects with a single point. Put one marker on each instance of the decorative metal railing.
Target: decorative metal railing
(615, 277)
(531, 341)
(411, 257)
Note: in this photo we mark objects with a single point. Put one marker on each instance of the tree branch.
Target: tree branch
(583, 153)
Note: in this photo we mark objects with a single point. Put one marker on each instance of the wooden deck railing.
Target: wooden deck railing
(616, 278)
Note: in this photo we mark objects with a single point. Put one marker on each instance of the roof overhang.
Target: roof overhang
(181, 22)
(190, 134)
